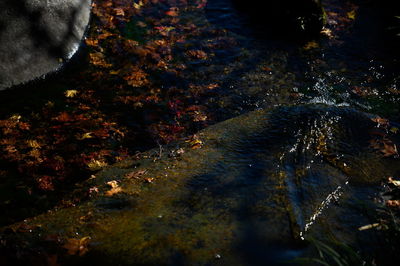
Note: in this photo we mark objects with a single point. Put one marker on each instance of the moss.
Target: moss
(238, 187)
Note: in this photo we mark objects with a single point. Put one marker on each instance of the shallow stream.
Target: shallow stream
(294, 163)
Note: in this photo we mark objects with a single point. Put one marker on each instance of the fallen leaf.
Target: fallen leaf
(393, 203)
(394, 130)
(138, 5)
(15, 118)
(87, 135)
(136, 78)
(149, 179)
(212, 86)
(104, 35)
(381, 121)
(394, 182)
(164, 30)
(199, 116)
(70, 93)
(351, 14)
(77, 246)
(96, 164)
(180, 151)
(311, 45)
(113, 183)
(198, 54)
(92, 42)
(173, 12)
(195, 142)
(119, 12)
(33, 144)
(368, 226)
(98, 59)
(115, 188)
(327, 32)
(389, 149)
(93, 190)
(135, 174)
(201, 4)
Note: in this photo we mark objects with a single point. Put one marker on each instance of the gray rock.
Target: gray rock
(38, 36)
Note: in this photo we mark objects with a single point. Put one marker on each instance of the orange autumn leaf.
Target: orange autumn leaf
(389, 149)
(98, 59)
(382, 122)
(92, 42)
(268, 69)
(195, 142)
(104, 35)
(393, 203)
(199, 116)
(115, 188)
(119, 11)
(212, 86)
(63, 117)
(173, 12)
(77, 246)
(136, 78)
(198, 54)
(311, 45)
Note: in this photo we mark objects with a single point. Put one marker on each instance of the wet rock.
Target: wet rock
(303, 162)
(38, 36)
(290, 17)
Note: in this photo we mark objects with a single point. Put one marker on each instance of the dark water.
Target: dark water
(361, 55)
(253, 196)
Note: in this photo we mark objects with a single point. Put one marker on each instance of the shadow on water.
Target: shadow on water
(270, 193)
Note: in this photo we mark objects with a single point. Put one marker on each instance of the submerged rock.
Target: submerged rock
(290, 17)
(248, 189)
(38, 36)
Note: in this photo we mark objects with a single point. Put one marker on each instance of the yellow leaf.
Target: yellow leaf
(351, 14)
(327, 32)
(138, 5)
(35, 154)
(394, 182)
(149, 179)
(15, 118)
(195, 142)
(98, 59)
(71, 93)
(119, 12)
(33, 144)
(87, 135)
(311, 45)
(368, 226)
(96, 164)
(115, 188)
(113, 183)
